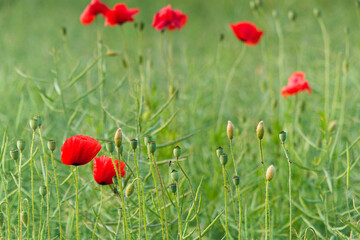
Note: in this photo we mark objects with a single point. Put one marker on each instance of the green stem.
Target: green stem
(138, 192)
(266, 209)
(232, 156)
(98, 215)
(19, 192)
(262, 159)
(226, 213)
(177, 202)
(7, 206)
(57, 193)
(289, 163)
(77, 202)
(32, 183)
(41, 212)
(240, 210)
(192, 194)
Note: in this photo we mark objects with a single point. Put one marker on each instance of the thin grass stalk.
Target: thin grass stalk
(240, 211)
(28, 217)
(32, 183)
(138, 192)
(262, 159)
(41, 213)
(290, 199)
(177, 202)
(57, 193)
(266, 209)
(99, 212)
(226, 212)
(144, 213)
(193, 196)
(163, 197)
(232, 156)
(19, 192)
(77, 203)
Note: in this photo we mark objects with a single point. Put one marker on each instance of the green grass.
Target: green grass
(323, 203)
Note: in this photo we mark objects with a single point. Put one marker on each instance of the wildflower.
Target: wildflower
(170, 19)
(120, 15)
(79, 150)
(129, 190)
(92, 10)
(296, 83)
(230, 130)
(260, 130)
(104, 171)
(270, 172)
(247, 32)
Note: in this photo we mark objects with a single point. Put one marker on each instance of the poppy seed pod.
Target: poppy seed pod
(173, 187)
(140, 59)
(230, 130)
(317, 12)
(219, 151)
(24, 218)
(141, 26)
(51, 145)
(222, 37)
(42, 190)
(21, 144)
(147, 139)
(282, 136)
(133, 144)
(174, 175)
(118, 138)
(292, 16)
(236, 180)
(14, 154)
(110, 147)
(177, 151)
(152, 147)
(129, 190)
(260, 130)
(270, 172)
(223, 159)
(33, 123)
(39, 119)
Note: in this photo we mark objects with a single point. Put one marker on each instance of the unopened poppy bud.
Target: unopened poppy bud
(223, 159)
(147, 139)
(111, 53)
(133, 143)
(230, 130)
(51, 145)
(270, 172)
(332, 126)
(124, 63)
(140, 59)
(42, 190)
(275, 13)
(39, 119)
(1, 219)
(236, 180)
(219, 151)
(345, 66)
(252, 5)
(118, 138)
(173, 187)
(21, 144)
(260, 130)
(141, 26)
(177, 151)
(129, 190)
(282, 136)
(174, 175)
(292, 16)
(110, 147)
(317, 12)
(33, 123)
(221, 38)
(24, 218)
(63, 31)
(152, 147)
(14, 154)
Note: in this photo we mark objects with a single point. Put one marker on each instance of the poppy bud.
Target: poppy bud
(317, 12)
(33, 123)
(21, 144)
(124, 63)
(51, 145)
(140, 59)
(111, 53)
(118, 138)
(63, 31)
(110, 147)
(253, 5)
(260, 130)
(147, 139)
(230, 130)
(223, 159)
(141, 26)
(39, 119)
(42, 190)
(152, 147)
(221, 38)
(14, 154)
(177, 151)
(173, 187)
(292, 16)
(332, 126)
(219, 151)
(345, 66)
(129, 190)
(174, 175)
(24, 218)
(133, 143)
(282, 136)
(275, 13)
(270, 172)
(1, 219)
(236, 180)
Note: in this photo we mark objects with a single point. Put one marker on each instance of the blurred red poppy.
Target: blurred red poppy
(94, 8)
(120, 14)
(104, 170)
(296, 83)
(79, 150)
(247, 32)
(170, 19)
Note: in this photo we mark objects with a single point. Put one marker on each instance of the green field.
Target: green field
(182, 87)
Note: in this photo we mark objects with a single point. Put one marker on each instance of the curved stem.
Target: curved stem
(226, 213)
(99, 212)
(57, 193)
(77, 202)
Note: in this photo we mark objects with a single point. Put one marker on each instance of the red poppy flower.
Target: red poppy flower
(170, 19)
(296, 84)
(120, 14)
(247, 32)
(104, 170)
(94, 8)
(79, 150)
